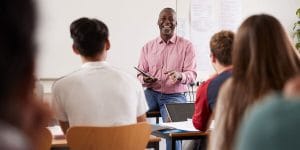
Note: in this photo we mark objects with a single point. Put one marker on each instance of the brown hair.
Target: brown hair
(18, 106)
(263, 59)
(221, 46)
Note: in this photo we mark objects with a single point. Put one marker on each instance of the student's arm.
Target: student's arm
(202, 112)
(141, 118)
(64, 126)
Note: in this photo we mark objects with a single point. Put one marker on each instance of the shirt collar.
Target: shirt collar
(94, 64)
(172, 40)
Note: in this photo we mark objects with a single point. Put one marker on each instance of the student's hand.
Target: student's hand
(174, 75)
(148, 79)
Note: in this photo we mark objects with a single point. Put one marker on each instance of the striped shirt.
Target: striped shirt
(158, 57)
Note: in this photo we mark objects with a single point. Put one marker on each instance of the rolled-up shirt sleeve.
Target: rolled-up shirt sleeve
(189, 66)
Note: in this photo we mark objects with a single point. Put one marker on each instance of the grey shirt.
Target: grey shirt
(12, 138)
(273, 125)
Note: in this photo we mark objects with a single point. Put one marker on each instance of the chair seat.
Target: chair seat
(152, 114)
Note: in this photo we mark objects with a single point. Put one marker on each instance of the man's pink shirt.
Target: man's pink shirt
(158, 57)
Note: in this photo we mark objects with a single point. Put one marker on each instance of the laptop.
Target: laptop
(180, 111)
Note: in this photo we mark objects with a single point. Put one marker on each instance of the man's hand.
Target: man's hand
(174, 75)
(148, 79)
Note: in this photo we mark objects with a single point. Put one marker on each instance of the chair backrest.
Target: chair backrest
(127, 137)
(44, 140)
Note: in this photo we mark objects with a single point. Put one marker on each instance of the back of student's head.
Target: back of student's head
(17, 52)
(221, 46)
(263, 60)
(264, 53)
(18, 106)
(89, 36)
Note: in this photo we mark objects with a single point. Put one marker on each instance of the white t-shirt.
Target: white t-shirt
(12, 138)
(98, 95)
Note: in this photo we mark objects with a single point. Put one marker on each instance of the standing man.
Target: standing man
(95, 94)
(169, 60)
(170, 63)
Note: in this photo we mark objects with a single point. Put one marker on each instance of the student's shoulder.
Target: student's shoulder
(275, 104)
(129, 78)
(118, 71)
(203, 86)
(221, 78)
(208, 81)
(226, 86)
(21, 141)
(66, 78)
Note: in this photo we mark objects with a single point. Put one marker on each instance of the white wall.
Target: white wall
(131, 24)
(283, 10)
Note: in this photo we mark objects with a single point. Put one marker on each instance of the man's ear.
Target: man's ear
(75, 50)
(107, 44)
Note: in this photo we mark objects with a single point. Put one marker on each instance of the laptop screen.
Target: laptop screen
(180, 111)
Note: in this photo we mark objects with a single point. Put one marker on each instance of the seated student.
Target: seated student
(39, 89)
(263, 59)
(22, 116)
(220, 48)
(97, 94)
(275, 124)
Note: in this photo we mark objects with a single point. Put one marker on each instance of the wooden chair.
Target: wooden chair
(152, 114)
(127, 137)
(44, 140)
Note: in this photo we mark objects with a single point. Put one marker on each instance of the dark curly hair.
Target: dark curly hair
(89, 36)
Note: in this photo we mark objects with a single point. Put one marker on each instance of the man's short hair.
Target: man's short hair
(89, 36)
(221, 46)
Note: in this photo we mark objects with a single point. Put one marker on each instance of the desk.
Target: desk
(61, 143)
(182, 135)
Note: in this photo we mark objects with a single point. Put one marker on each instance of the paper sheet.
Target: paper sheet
(56, 131)
(182, 125)
(185, 125)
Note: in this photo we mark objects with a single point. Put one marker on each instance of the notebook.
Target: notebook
(180, 111)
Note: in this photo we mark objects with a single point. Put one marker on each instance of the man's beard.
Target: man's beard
(167, 31)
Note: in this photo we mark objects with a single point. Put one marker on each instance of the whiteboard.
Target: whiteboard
(214, 10)
(131, 24)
